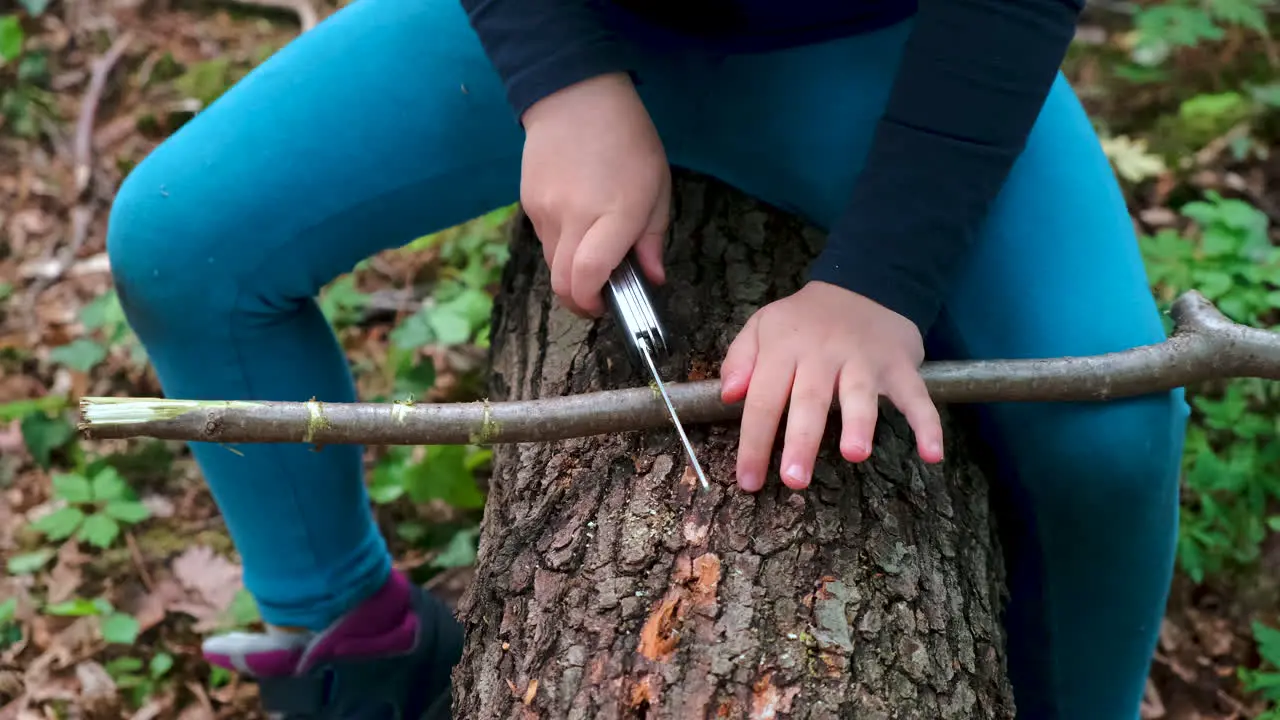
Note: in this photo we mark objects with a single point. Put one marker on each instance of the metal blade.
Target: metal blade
(688, 447)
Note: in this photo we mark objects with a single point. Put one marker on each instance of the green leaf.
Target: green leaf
(444, 475)
(76, 607)
(81, 354)
(1175, 24)
(127, 511)
(341, 302)
(8, 610)
(11, 38)
(1268, 639)
(386, 492)
(99, 531)
(35, 7)
(59, 524)
(123, 666)
(412, 332)
(161, 663)
(44, 435)
(449, 326)
(460, 552)
(28, 563)
(108, 485)
(72, 488)
(207, 80)
(1218, 241)
(1214, 284)
(1246, 13)
(243, 609)
(119, 629)
(103, 311)
(417, 379)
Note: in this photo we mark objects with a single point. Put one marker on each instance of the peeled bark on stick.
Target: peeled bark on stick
(608, 586)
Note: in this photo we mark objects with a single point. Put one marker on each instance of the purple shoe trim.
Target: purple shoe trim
(383, 625)
(269, 663)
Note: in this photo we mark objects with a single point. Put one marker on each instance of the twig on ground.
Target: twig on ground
(83, 148)
(82, 167)
(139, 564)
(1205, 345)
(307, 16)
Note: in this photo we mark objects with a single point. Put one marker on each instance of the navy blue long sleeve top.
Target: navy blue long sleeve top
(971, 83)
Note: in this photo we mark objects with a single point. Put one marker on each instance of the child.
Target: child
(967, 201)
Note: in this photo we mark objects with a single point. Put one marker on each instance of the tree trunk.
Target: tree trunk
(609, 586)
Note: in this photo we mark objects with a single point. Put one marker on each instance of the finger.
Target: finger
(739, 360)
(650, 246)
(766, 399)
(562, 272)
(811, 393)
(649, 254)
(859, 410)
(908, 392)
(601, 251)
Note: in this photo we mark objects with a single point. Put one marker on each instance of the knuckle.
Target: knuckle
(589, 262)
(810, 396)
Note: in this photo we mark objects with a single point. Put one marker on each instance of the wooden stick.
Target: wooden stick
(1205, 345)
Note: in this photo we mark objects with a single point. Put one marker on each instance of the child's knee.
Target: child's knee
(1121, 454)
(158, 240)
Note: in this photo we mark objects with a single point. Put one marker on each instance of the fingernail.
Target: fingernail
(798, 474)
(856, 449)
(748, 481)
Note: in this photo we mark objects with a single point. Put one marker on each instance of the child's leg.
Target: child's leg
(1057, 272)
(382, 124)
(1093, 487)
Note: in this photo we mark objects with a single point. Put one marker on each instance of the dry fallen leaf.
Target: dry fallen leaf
(11, 441)
(65, 577)
(213, 582)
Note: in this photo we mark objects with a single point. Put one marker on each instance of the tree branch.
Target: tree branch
(1205, 345)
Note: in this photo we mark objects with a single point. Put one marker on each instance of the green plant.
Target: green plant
(10, 632)
(1166, 25)
(141, 680)
(116, 628)
(1265, 680)
(1232, 458)
(96, 506)
(24, 103)
(105, 329)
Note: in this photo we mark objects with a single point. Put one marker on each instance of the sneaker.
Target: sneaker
(388, 659)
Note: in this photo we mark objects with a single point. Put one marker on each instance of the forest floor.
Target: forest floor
(109, 613)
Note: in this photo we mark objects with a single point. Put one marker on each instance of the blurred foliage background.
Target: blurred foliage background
(113, 562)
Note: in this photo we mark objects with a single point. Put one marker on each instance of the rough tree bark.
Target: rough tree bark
(609, 586)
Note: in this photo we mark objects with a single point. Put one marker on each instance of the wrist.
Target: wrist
(612, 87)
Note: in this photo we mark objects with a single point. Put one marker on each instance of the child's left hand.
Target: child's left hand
(803, 346)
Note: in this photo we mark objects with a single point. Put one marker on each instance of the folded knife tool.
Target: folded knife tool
(646, 340)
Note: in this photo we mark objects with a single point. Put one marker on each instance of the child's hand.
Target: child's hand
(595, 182)
(800, 348)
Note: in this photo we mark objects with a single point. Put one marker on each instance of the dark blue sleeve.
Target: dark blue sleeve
(972, 80)
(541, 46)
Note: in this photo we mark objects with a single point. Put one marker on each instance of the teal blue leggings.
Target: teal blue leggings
(386, 123)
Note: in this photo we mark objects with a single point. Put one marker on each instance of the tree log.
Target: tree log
(607, 586)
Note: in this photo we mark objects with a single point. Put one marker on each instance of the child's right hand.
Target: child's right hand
(595, 183)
